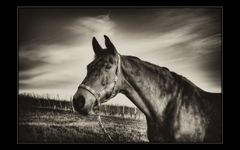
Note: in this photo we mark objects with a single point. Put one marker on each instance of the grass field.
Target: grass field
(51, 126)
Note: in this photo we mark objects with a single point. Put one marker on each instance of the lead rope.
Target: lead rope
(101, 124)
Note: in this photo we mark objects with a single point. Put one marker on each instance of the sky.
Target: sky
(55, 44)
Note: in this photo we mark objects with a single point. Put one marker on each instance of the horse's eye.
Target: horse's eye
(108, 66)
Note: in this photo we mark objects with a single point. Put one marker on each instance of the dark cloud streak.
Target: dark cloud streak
(27, 63)
(48, 26)
(163, 20)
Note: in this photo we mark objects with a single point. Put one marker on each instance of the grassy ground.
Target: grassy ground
(47, 126)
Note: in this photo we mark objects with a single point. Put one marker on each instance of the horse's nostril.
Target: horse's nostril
(78, 103)
(81, 101)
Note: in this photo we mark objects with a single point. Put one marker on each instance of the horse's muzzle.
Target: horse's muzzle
(78, 104)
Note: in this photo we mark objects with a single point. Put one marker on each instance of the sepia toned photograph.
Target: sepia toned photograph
(128, 75)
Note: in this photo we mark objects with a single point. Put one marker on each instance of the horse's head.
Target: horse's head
(102, 80)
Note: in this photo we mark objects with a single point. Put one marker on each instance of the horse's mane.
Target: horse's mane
(155, 69)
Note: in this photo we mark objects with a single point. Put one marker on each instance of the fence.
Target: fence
(26, 102)
(121, 111)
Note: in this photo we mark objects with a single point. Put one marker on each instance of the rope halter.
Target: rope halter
(98, 94)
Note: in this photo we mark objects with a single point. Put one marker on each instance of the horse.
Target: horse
(176, 110)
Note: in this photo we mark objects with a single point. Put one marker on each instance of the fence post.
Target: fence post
(39, 103)
(49, 104)
(60, 105)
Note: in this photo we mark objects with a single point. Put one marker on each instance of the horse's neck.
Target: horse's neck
(148, 86)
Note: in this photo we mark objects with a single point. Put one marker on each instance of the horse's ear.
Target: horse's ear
(96, 47)
(111, 48)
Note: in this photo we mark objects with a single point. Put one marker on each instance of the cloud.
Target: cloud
(53, 66)
(55, 47)
(26, 63)
(97, 26)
